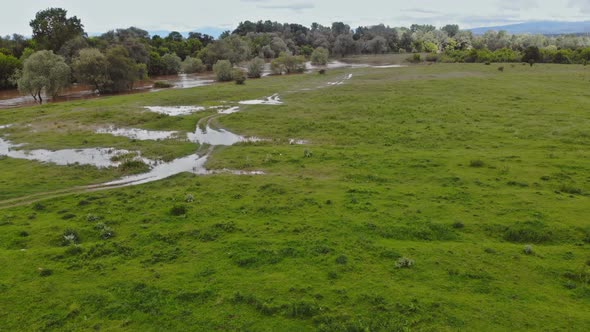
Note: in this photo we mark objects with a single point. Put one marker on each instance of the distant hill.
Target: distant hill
(540, 27)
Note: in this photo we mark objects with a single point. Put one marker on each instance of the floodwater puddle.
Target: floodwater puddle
(346, 78)
(138, 134)
(98, 157)
(175, 110)
(214, 137)
(272, 100)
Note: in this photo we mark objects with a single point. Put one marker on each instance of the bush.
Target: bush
(432, 57)
(528, 250)
(416, 58)
(178, 210)
(501, 69)
(45, 272)
(476, 163)
(404, 263)
(223, 70)
(287, 63)
(162, 85)
(192, 65)
(320, 56)
(171, 64)
(255, 68)
(342, 260)
(322, 72)
(70, 237)
(239, 76)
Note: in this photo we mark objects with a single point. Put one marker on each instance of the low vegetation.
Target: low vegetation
(461, 207)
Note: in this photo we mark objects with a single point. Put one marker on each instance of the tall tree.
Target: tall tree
(52, 28)
(44, 71)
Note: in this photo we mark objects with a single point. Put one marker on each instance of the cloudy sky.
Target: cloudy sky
(190, 15)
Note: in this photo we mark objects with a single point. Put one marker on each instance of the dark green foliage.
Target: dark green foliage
(529, 232)
(8, 68)
(52, 28)
(178, 210)
(476, 163)
(162, 85)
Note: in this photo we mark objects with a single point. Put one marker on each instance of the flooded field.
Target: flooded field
(13, 98)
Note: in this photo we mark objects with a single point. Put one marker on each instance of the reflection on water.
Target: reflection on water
(12, 98)
(218, 137)
(138, 134)
(175, 110)
(98, 157)
(272, 100)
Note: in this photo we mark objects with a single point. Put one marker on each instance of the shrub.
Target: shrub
(531, 232)
(45, 272)
(178, 210)
(255, 68)
(106, 232)
(239, 76)
(488, 63)
(171, 63)
(320, 56)
(501, 68)
(287, 63)
(458, 225)
(69, 237)
(192, 65)
(476, 163)
(404, 263)
(416, 58)
(223, 70)
(162, 85)
(189, 198)
(568, 189)
(528, 250)
(432, 57)
(342, 260)
(322, 72)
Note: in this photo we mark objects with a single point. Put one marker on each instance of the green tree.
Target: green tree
(255, 68)
(91, 67)
(532, 53)
(123, 71)
(171, 63)
(192, 65)
(52, 28)
(377, 45)
(44, 71)
(223, 70)
(9, 65)
(320, 56)
(451, 29)
(288, 64)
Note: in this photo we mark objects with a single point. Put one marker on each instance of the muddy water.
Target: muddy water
(272, 100)
(12, 98)
(98, 157)
(214, 137)
(175, 110)
(138, 134)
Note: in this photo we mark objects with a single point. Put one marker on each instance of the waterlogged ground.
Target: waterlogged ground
(438, 198)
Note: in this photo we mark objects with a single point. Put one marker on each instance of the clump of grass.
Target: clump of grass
(70, 237)
(501, 68)
(322, 72)
(162, 85)
(307, 154)
(458, 225)
(92, 217)
(488, 63)
(189, 198)
(404, 263)
(342, 260)
(45, 272)
(568, 189)
(178, 210)
(528, 250)
(106, 232)
(531, 232)
(476, 163)
(133, 166)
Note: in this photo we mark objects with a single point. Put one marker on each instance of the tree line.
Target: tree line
(113, 61)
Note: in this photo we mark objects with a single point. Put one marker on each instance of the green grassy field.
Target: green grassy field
(456, 167)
